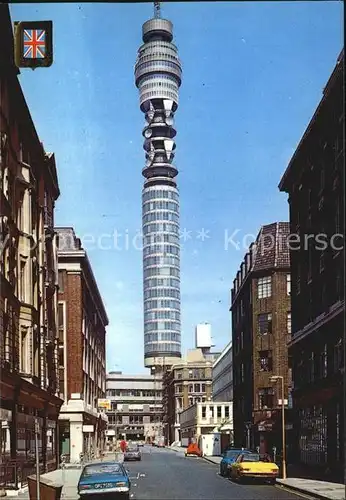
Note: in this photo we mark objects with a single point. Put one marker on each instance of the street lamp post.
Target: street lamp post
(275, 378)
(248, 434)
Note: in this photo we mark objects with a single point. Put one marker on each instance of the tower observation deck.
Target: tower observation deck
(158, 78)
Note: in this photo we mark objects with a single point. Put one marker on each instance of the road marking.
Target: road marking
(141, 475)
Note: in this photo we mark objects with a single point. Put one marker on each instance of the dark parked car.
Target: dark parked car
(107, 479)
(132, 453)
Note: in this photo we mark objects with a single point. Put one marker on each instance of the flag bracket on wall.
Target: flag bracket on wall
(33, 44)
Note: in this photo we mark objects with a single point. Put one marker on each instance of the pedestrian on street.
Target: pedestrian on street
(123, 445)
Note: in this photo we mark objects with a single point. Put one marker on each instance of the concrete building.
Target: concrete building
(29, 385)
(223, 375)
(261, 328)
(158, 78)
(314, 181)
(185, 384)
(136, 407)
(203, 418)
(82, 324)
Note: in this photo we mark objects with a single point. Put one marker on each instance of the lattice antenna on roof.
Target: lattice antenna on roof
(157, 10)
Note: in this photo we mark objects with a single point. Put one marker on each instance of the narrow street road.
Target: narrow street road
(164, 474)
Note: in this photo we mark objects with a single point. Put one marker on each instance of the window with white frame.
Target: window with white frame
(264, 287)
(289, 323)
(288, 284)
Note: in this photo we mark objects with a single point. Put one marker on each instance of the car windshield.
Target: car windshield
(251, 457)
(115, 469)
(132, 449)
(232, 454)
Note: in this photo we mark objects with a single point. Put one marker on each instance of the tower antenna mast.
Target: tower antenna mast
(157, 10)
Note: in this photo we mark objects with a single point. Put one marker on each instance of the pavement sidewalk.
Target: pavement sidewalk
(69, 477)
(318, 489)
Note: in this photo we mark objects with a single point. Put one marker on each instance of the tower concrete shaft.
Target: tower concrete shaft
(158, 78)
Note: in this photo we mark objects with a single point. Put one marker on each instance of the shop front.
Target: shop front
(82, 434)
(21, 405)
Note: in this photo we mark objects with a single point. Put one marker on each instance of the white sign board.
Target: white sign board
(203, 335)
(88, 428)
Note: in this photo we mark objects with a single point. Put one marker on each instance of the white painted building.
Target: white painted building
(204, 418)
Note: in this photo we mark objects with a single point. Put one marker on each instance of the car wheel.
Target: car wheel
(272, 481)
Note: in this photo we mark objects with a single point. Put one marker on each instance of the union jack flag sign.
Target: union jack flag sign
(33, 44)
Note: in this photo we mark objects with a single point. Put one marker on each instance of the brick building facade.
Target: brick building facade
(29, 385)
(261, 327)
(82, 351)
(314, 181)
(183, 385)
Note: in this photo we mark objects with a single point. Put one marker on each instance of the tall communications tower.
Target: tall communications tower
(158, 78)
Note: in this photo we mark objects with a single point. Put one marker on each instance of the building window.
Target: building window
(241, 372)
(211, 411)
(61, 357)
(61, 321)
(219, 411)
(322, 178)
(338, 356)
(311, 367)
(309, 261)
(197, 388)
(24, 352)
(321, 262)
(241, 340)
(289, 323)
(22, 281)
(288, 284)
(190, 388)
(264, 287)
(337, 216)
(266, 398)
(204, 412)
(324, 362)
(203, 387)
(61, 281)
(264, 323)
(226, 411)
(266, 361)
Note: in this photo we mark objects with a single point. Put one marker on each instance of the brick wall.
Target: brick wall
(278, 305)
(73, 296)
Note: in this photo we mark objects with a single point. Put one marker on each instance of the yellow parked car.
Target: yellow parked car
(252, 465)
